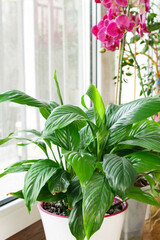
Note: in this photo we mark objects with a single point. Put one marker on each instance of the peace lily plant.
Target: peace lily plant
(101, 150)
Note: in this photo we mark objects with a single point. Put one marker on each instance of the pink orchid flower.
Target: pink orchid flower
(147, 5)
(144, 5)
(107, 3)
(143, 26)
(123, 3)
(112, 47)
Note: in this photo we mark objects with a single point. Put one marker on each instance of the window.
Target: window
(37, 37)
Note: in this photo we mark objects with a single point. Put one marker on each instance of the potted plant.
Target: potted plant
(101, 153)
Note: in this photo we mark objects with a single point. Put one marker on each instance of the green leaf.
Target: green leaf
(143, 127)
(82, 163)
(99, 113)
(36, 178)
(33, 131)
(144, 161)
(46, 196)
(141, 196)
(90, 114)
(76, 222)
(96, 98)
(119, 172)
(22, 98)
(151, 181)
(150, 141)
(134, 112)
(135, 38)
(42, 146)
(74, 193)
(86, 137)
(59, 181)
(62, 116)
(110, 109)
(21, 166)
(45, 112)
(153, 27)
(118, 134)
(68, 137)
(4, 140)
(97, 199)
(18, 194)
(145, 49)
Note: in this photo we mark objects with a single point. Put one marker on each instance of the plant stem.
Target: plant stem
(58, 89)
(53, 155)
(60, 157)
(135, 70)
(139, 70)
(119, 56)
(120, 70)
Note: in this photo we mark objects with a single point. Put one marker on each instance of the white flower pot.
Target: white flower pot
(56, 227)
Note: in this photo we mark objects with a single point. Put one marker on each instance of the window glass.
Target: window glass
(37, 37)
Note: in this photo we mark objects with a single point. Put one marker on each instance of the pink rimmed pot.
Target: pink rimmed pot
(57, 228)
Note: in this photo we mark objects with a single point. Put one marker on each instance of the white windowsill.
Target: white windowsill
(14, 217)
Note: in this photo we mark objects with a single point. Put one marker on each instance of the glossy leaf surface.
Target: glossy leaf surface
(62, 116)
(119, 172)
(83, 164)
(76, 222)
(97, 199)
(144, 161)
(36, 178)
(74, 193)
(141, 196)
(59, 181)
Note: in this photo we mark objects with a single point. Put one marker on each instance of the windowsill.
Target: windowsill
(14, 217)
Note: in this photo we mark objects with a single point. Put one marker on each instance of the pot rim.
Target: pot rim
(117, 199)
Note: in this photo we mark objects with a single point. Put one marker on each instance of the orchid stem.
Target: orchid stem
(121, 70)
(139, 70)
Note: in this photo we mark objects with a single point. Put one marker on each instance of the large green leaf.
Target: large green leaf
(74, 193)
(141, 196)
(99, 113)
(46, 196)
(22, 98)
(110, 109)
(62, 116)
(21, 166)
(118, 134)
(134, 112)
(82, 163)
(97, 199)
(144, 161)
(86, 137)
(150, 141)
(59, 181)
(96, 98)
(119, 172)
(76, 222)
(46, 112)
(68, 137)
(143, 127)
(36, 178)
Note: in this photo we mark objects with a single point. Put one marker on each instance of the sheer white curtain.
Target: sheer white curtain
(37, 37)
